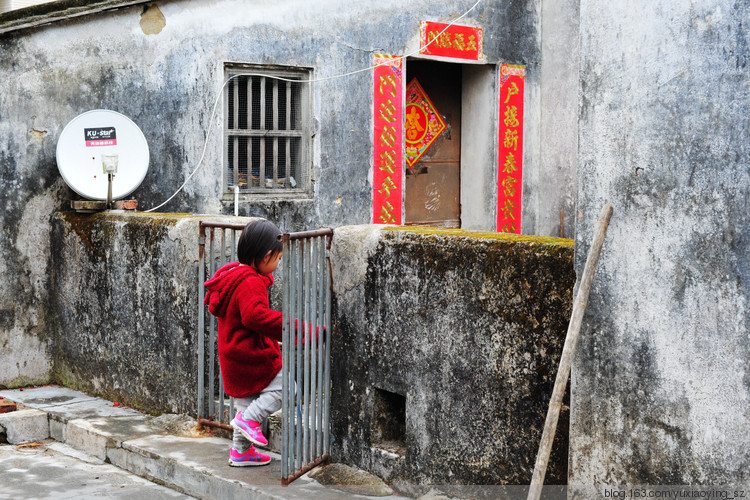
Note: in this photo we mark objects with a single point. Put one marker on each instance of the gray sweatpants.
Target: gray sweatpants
(257, 408)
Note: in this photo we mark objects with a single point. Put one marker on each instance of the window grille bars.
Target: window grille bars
(265, 131)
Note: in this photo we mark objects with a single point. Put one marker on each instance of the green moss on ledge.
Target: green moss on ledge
(463, 233)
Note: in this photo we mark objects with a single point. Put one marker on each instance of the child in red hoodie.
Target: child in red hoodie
(249, 336)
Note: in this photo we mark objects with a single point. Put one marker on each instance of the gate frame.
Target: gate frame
(303, 447)
(309, 303)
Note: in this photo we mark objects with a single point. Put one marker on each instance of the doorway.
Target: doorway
(433, 182)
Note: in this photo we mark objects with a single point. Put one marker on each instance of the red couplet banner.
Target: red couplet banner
(388, 164)
(510, 154)
(440, 39)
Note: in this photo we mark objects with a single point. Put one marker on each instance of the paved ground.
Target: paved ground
(54, 470)
(93, 448)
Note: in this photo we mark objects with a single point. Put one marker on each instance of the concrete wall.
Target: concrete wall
(445, 351)
(550, 187)
(124, 307)
(661, 384)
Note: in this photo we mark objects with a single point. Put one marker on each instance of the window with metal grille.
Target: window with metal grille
(267, 129)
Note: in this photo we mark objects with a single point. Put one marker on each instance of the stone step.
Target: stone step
(23, 426)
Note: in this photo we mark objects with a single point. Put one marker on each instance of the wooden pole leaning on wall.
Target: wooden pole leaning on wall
(566, 360)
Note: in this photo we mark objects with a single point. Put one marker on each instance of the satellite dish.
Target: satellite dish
(97, 138)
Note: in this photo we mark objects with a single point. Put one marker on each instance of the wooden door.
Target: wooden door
(432, 186)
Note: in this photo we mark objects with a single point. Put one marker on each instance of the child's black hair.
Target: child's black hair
(257, 239)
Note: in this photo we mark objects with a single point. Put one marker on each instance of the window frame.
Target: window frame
(304, 182)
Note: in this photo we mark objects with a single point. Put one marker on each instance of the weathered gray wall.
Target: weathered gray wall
(467, 328)
(167, 82)
(550, 185)
(161, 64)
(661, 384)
(124, 307)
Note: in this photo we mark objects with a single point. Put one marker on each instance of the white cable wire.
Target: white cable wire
(316, 80)
(205, 145)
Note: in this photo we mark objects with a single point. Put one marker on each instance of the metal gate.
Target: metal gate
(306, 289)
(306, 366)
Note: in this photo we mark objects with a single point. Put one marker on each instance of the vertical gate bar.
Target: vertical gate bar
(287, 346)
(308, 347)
(289, 416)
(286, 426)
(321, 343)
(222, 260)
(201, 319)
(327, 370)
(295, 396)
(308, 309)
(212, 332)
(293, 359)
(314, 334)
(323, 336)
(284, 354)
(318, 351)
(232, 259)
(299, 340)
(311, 341)
(306, 352)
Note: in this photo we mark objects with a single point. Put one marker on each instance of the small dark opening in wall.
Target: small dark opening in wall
(389, 422)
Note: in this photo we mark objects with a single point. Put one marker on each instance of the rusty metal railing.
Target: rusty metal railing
(306, 367)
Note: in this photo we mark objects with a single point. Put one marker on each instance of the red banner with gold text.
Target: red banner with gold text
(510, 154)
(446, 40)
(388, 142)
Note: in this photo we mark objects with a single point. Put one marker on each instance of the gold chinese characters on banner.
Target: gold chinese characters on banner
(510, 157)
(387, 140)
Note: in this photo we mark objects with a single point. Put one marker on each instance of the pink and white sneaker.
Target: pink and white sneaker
(250, 429)
(250, 458)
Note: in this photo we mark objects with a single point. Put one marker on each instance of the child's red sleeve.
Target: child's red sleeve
(255, 312)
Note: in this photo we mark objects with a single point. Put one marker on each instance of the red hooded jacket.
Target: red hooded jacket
(249, 330)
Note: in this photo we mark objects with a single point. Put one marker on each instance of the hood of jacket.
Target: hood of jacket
(220, 288)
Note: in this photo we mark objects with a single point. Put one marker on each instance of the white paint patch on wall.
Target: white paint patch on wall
(24, 358)
(33, 242)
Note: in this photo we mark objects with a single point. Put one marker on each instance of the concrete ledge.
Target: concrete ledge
(98, 435)
(198, 467)
(25, 426)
